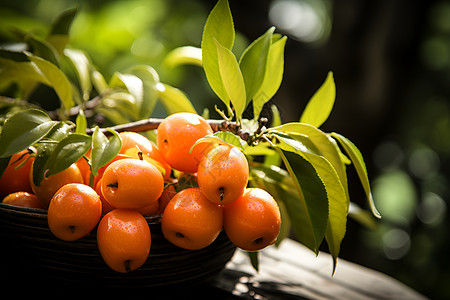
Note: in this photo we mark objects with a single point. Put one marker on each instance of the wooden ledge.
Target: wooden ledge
(294, 272)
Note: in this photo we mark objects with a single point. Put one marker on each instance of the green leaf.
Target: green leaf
(174, 100)
(150, 78)
(298, 143)
(253, 63)
(320, 105)
(131, 84)
(254, 260)
(358, 161)
(313, 198)
(45, 149)
(59, 32)
(42, 48)
(119, 102)
(67, 152)
(272, 77)
(56, 79)
(103, 150)
(22, 72)
(232, 79)
(81, 123)
(222, 138)
(62, 23)
(24, 129)
(312, 191)
(184, 55)
(115, 116)
(16, 56)
(218, 27)
(260, 149)
(4, 162)
(337, 196)
(82, 66)
(323, 143)
(362, 216)
(98, 81)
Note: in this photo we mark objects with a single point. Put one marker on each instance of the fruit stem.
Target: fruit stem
(258, 241)
(91, 180)
(222, 193)
(128, 265)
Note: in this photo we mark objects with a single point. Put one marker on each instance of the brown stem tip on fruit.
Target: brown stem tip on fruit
(128, 265)
(258, 241)
(114, 185)
(222, 193)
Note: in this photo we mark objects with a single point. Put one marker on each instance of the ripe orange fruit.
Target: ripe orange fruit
(132, 183)
(149, 210)
(106, 207)
(223, 174)
(168, 193)
(138, 154)
(84, 168)
(191, 221)
(50, 185)
(22, 199)
(176, 135)
(124, 239)
(16, 180)
(253, 221)
(74, 211)
(102, 169)
(133, 140)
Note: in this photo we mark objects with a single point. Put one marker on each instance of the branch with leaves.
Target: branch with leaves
(311, 188)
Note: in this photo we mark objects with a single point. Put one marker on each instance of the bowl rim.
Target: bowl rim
(43, 213)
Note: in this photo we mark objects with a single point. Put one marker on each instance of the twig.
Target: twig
(74, 111)
(153, 123)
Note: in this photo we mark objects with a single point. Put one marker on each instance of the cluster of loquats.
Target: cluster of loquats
(148, 179)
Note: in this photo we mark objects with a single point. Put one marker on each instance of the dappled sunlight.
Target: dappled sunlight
(306, 21)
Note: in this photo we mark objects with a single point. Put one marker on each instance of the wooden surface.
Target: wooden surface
(294, 272)
(288, 272)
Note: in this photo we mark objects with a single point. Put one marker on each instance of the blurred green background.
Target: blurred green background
(391, 63)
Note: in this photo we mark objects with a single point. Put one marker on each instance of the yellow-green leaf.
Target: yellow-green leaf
(56, 79)
(313, 199)
(223, 138)
(103, 149)
(325, 144)
(320, 105)
(82, 66)
(219, 26)
(253, 63)
(24, 129)
(173, 99)
(184, 55)
(273, 76)
(232, 79)
(358, 161)
(337, 197)
(67, 152)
